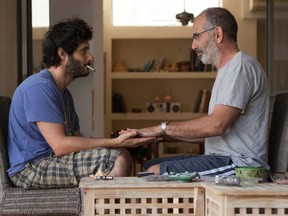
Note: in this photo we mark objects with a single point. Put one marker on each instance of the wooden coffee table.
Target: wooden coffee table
(134, 196)
(261, 199)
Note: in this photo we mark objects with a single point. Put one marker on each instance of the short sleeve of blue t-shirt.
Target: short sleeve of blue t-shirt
(42, 104)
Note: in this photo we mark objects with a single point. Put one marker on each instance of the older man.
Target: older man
(236, 127)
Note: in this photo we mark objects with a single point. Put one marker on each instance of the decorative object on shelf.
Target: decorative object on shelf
(184, 66)
(174, 67)
(160, 65)
(118, 103)
(185, 17)
(136, 110)
(157, 98)
(168, 98)
(120, 66)
(166, 106)
(175, 107)
(152, 107)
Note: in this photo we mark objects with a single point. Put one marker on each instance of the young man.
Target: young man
(45, 146)
(236, 127)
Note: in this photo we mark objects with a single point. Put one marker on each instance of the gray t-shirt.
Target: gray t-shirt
(242, 83)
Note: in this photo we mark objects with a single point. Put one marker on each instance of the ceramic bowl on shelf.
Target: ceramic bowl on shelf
(279, 178)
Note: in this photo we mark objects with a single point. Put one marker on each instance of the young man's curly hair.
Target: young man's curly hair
(67, 34)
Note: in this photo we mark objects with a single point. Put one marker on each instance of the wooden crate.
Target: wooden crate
(133, 196)
(260, 200)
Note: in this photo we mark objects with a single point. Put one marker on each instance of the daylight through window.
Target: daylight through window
(156, 12)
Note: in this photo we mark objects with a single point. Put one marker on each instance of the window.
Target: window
(40, 24)
(156, 12)
(40, 13)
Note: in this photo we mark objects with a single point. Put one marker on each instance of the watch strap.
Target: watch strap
(163, 128)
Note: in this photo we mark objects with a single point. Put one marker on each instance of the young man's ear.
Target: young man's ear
(61, 53)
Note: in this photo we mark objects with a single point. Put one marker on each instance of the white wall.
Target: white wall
(247, 28)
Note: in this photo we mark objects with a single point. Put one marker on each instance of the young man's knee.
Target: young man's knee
(126, 155)
(123, 164)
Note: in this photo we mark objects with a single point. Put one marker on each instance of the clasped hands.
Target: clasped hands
(137, 137)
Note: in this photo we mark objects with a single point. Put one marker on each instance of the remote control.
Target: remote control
(141, 174)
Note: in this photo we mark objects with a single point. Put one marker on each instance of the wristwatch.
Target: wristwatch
(163, 128)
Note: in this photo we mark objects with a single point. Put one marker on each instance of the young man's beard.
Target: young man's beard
(74, 69)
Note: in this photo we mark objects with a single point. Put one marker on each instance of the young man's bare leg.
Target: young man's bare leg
(123, 164)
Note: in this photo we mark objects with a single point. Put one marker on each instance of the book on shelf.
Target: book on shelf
(118, 103)
(198, 101)
(202, 101)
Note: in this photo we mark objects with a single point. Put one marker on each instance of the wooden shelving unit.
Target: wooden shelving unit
(135, 46)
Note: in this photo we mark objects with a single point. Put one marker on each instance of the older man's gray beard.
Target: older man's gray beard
(213, 54)
(74, 69)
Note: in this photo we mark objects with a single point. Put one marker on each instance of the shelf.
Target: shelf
(163, 75)
(135, 46)
(154, 116)
(150, 32)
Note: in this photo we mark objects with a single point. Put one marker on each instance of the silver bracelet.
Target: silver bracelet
(163, 128)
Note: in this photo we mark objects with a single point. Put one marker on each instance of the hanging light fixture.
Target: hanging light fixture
(185, 17)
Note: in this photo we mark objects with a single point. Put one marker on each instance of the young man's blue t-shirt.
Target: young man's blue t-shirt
(36, 99)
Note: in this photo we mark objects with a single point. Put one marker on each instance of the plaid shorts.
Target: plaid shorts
(67, 170)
